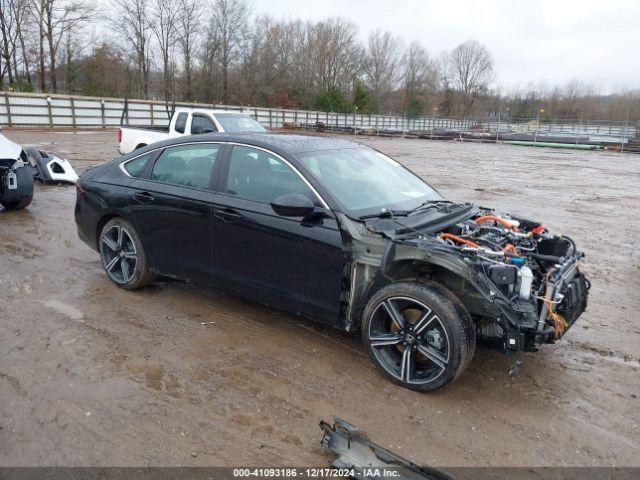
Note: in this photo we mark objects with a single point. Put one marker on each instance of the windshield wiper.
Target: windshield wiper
(386, 213)
(428, 204)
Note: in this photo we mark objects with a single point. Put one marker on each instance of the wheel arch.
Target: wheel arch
(457, 283)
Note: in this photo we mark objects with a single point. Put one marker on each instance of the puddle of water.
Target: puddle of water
(64, 308)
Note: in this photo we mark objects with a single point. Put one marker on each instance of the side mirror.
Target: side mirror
(292, 205)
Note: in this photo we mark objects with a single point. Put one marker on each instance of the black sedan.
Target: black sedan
(340, 233)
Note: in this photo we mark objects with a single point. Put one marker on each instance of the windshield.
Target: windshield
(235, 123)
(365, 181)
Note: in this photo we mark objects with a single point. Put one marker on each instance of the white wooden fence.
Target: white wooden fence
(54, 111)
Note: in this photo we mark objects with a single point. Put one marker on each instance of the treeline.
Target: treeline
(219, 52)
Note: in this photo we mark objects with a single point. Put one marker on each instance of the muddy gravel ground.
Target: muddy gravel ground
(179, 374)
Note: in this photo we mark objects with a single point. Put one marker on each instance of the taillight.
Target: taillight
(119, 135)
(79, 190)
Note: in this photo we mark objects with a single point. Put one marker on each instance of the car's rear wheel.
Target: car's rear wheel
(418, 334)
(123, 256)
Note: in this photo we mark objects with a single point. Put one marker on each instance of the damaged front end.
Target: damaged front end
(521, 284)
(531, 279)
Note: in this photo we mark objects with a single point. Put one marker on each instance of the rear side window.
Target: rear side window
(186, 165)
(181, 122)
(202, 124)
(136, 166)
(258, 176)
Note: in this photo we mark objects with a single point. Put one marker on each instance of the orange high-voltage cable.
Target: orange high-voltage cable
(455, 238)
(499, 220)
(510, 248)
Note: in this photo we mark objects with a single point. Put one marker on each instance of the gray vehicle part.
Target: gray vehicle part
(49, 168)
(367, 459)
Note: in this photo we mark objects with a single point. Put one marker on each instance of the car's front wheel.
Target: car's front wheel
(123, 256)
(418, 334)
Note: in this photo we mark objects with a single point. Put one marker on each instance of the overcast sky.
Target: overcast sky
(597, 42)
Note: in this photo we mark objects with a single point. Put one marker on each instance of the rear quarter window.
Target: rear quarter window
(136, 166)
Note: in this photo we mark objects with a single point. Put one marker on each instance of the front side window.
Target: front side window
(186, 165)
(364, 181)
(202, 124)
(136, 166)
(261, 177)
(181, 122)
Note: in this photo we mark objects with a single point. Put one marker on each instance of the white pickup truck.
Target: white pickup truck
(187, 121)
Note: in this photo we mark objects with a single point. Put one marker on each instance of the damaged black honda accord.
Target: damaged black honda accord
(340, 233)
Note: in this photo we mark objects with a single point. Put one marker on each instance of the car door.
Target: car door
(285, 260)
(172, 207)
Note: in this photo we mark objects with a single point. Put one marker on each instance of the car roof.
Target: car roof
(280, 143)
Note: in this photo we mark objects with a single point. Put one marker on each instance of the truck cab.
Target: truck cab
(188, 121)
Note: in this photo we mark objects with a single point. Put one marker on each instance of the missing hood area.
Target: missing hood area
(520, 283)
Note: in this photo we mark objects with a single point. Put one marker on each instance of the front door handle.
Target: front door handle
(227, 215)
(143, 197)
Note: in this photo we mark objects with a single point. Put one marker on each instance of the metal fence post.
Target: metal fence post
(73, 112)
(354, 120)
(151, 112)
(102, 113)
(270, 119)
(49, 112)
(8, 105)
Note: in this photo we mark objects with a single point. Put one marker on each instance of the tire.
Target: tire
(123, 256)
(22, 196)
(419, 335)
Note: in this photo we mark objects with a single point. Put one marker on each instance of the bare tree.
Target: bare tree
(382, 64)
(470, 68)
(164, 25)
(132, 21)
(419, 77)
(7, 47)
(333, 53)
(21, 10)
(189, 29)
(229, 26)
(55, 19)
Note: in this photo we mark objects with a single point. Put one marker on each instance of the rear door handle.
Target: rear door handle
(143, 197)
(227, 215)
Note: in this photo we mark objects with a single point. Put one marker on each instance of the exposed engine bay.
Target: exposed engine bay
(530, 267)
(520, 283)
